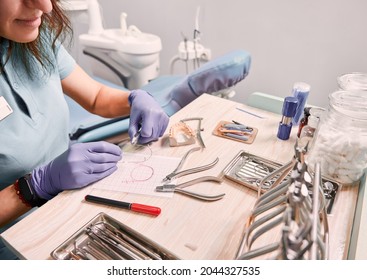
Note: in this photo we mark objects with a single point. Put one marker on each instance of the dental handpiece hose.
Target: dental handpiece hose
(288, 112)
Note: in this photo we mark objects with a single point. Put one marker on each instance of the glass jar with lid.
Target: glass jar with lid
(340, 143)
(353, 81)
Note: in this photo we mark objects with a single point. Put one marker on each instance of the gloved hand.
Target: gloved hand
(80, 165)
(146, 113)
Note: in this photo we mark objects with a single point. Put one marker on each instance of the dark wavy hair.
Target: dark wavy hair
(55, 27)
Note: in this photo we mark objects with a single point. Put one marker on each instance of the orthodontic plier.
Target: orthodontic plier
(179, 188)
(176, 173)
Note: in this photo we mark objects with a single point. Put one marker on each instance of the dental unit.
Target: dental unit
(134, 54)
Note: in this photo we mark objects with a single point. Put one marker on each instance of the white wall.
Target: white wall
(290, 40)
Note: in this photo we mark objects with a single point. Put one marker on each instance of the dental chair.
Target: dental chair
(172, 92)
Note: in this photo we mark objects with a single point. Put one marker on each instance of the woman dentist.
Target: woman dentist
(36, 161)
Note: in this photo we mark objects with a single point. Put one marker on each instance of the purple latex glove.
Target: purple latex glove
(146, 113)
(81, 165)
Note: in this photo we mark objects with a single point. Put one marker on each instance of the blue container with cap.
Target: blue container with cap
(289, 110)
(300, 91)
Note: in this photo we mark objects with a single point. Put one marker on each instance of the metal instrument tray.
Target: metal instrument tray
(248, 170)
(125, 243)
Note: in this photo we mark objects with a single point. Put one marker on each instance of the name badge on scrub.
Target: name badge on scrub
(5, 109)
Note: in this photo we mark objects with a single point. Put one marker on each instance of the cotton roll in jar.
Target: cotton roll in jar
(340, 144)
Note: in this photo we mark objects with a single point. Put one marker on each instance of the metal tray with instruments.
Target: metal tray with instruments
(248, 170)
(104, 238)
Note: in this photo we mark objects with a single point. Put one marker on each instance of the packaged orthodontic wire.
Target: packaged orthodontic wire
(301, 91)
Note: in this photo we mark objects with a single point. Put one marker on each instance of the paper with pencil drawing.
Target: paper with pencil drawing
(139, 173)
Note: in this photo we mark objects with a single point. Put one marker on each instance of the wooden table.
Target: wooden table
(189, 228)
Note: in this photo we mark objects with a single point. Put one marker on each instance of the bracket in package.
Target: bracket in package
(236, 131)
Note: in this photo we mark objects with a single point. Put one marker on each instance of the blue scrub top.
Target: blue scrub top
(37, 130)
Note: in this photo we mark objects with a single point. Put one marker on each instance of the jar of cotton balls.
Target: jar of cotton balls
(340, 143)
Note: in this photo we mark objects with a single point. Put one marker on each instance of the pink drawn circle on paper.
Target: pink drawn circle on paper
(141, 173)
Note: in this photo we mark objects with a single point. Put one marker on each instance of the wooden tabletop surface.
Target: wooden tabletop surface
(187, 227)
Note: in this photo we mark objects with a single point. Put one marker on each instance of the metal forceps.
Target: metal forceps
(179, 187)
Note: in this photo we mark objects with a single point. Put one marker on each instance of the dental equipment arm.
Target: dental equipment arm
(103, 58)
